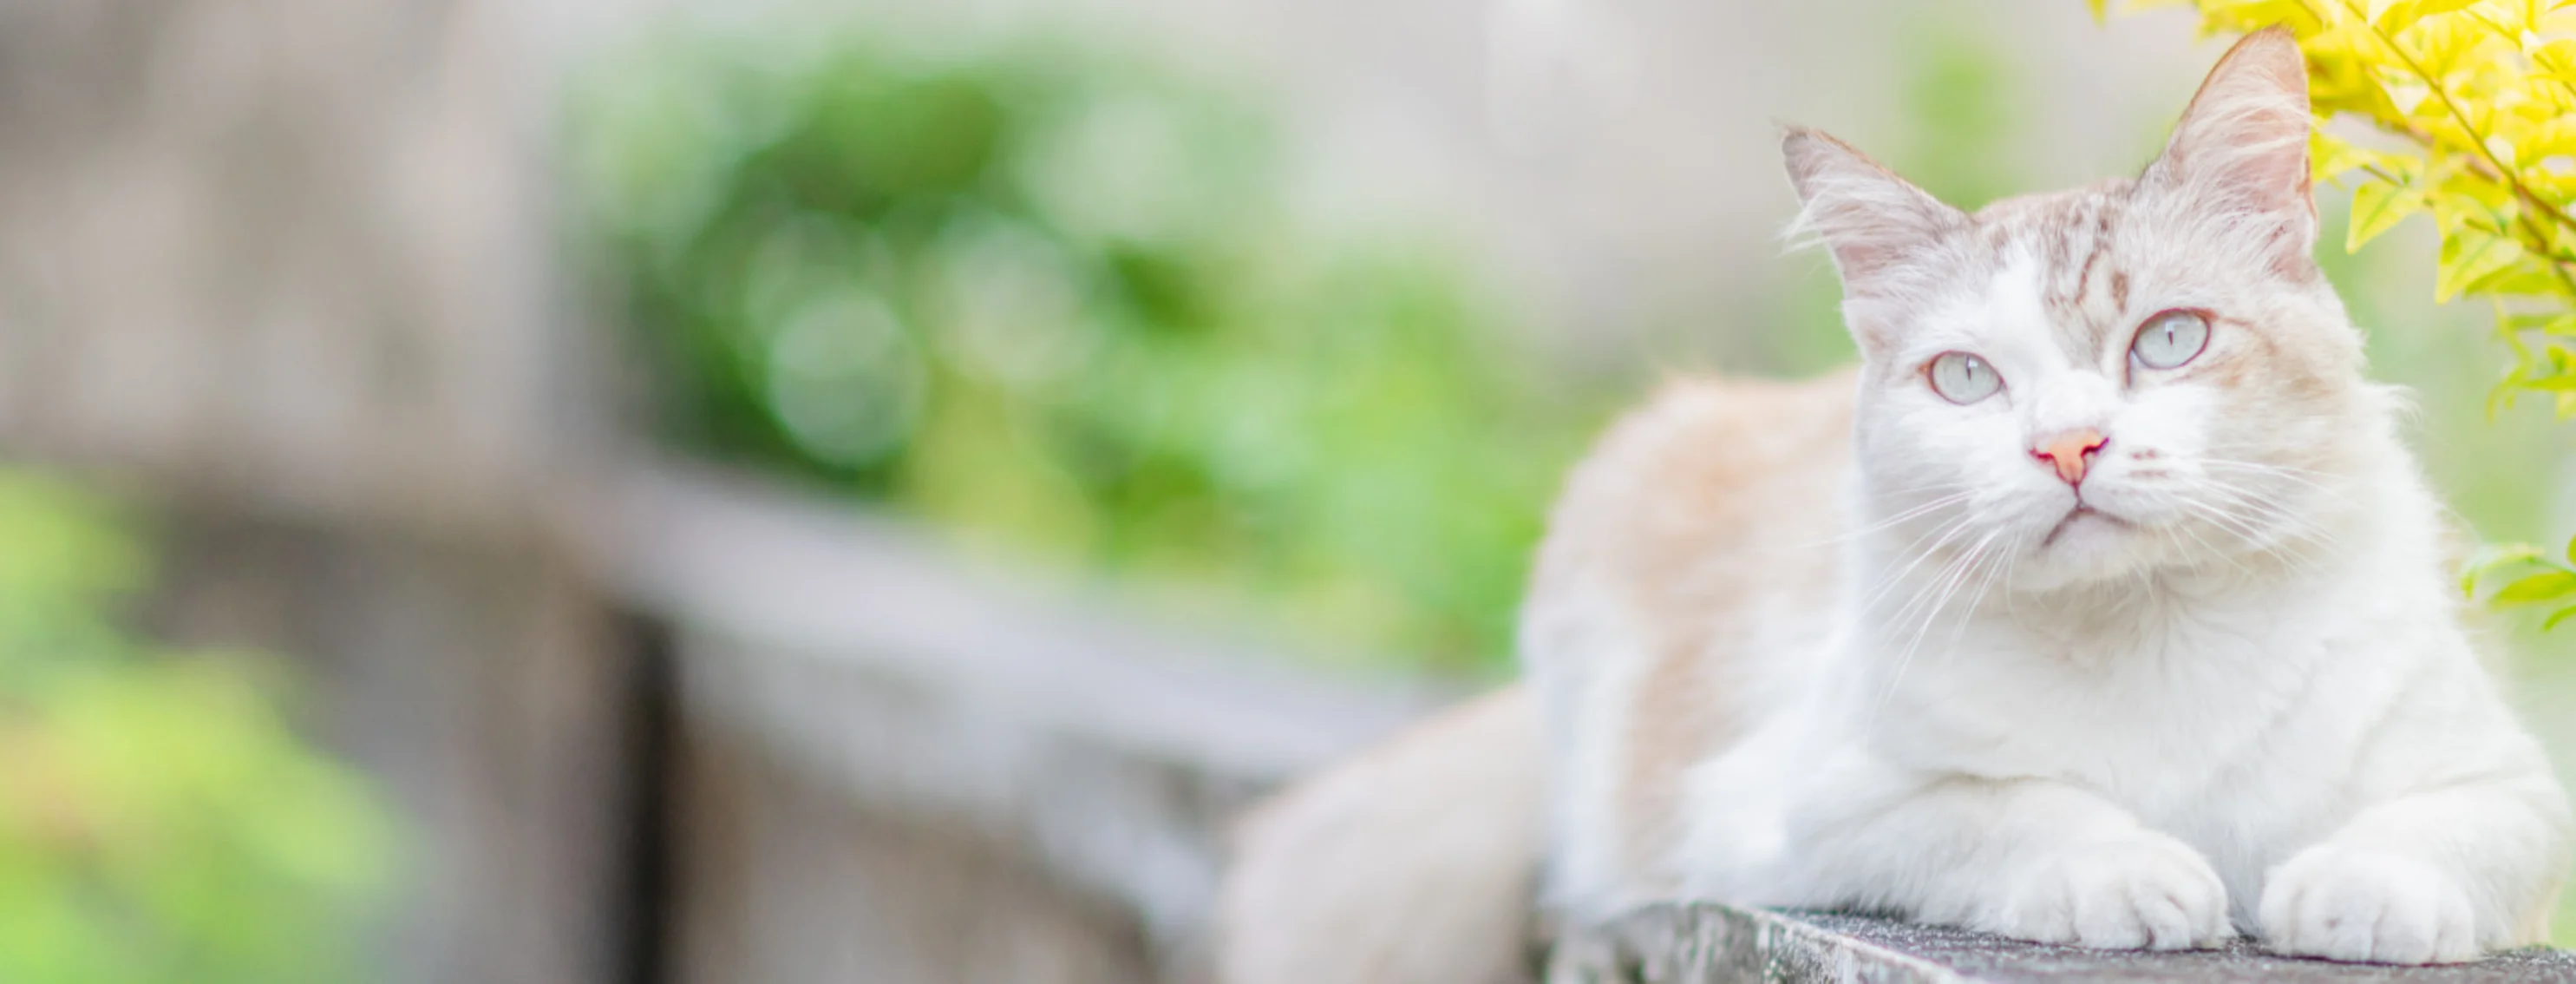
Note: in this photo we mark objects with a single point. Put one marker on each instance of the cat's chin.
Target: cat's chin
(2082, 522)
(2085, 546)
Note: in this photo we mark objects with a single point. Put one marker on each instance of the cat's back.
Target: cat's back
(1698, 538)
(1711, 487)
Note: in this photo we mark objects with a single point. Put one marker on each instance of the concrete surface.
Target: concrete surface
(1707, 944)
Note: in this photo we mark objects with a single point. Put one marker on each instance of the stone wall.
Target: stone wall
(294, 254)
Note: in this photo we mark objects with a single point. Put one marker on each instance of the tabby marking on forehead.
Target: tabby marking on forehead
(2101, 242)
(2078, 238)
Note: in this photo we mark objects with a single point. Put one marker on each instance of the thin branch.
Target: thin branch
(2541, 242)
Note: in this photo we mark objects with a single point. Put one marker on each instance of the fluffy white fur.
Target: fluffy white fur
(2234, 697)
(2229, 695)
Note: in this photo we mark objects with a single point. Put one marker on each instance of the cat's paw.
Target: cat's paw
(2361, 905)
(2148, 892)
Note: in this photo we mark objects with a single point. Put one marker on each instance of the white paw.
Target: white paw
(2359, 905)
(2148, 892)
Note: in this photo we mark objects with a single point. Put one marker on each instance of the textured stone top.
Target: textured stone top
(1709, 944)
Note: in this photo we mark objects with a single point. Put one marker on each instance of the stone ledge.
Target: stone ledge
(1027, 718)
(1711, 944)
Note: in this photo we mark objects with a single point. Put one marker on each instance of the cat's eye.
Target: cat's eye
(2170, 339)
(1962, 378)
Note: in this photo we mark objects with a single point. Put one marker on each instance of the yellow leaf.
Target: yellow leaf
(2462, 199)
(2529, 276)
(2562, 326)
(2442, 45)
(2099, 10)
(2516, 17)
(2500, 146)
(2343, 42)
(2376, 207)
(2405, 13)
(2494, 557)
(2459, 180)
(2557, 56)
(2250, 15)
(2329, 158)
(2546, 140)
(2357, 93)
(2544, 586)
(2562, 238)
(2469, 256)
(2340, 75)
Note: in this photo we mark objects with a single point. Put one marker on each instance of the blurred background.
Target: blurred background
(618, 490)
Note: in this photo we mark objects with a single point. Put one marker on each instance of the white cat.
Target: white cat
(2103, 605)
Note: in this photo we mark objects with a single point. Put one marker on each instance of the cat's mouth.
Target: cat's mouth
(2080, 513)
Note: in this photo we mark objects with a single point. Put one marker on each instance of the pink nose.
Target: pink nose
(2070, 451)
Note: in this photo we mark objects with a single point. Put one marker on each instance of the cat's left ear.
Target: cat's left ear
(2241, 150)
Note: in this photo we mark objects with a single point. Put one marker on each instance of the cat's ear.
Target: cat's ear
(2241, 150)
(1875, 224)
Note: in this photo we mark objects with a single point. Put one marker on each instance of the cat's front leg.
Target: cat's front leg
(2436, 877)
(2026, 858)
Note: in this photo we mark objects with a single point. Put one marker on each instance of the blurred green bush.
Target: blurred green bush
(1057, 303)
(158, 821)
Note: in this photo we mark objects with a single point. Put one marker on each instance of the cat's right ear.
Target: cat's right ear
(1877, 225)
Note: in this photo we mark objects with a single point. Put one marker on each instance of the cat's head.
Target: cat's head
(2138, 375)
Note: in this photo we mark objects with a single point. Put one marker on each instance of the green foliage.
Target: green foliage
(1962, 107)
(2563, 933)
(158, 821)
(2535, 578)
(1055, 303)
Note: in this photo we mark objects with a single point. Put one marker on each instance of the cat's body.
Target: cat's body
(2103, 605)
(1925, 758)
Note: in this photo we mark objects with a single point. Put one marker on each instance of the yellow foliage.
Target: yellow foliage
(2477, 100)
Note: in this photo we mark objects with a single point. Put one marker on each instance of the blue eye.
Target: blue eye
(1962, 378)
(2170, 339)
